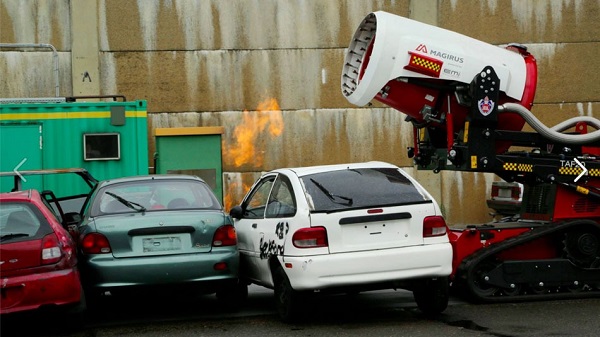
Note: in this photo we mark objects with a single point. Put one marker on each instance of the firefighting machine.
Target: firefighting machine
(468, 102)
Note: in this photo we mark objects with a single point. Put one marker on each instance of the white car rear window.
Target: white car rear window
(360, 188)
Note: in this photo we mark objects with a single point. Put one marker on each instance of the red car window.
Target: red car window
(18, 219)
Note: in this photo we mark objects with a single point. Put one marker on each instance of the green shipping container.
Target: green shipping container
(109, 139)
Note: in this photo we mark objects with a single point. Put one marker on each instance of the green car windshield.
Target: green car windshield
(153, 195)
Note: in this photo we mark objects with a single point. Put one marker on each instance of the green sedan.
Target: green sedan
(158, 231)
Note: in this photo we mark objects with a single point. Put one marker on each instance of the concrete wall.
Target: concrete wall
(268, 71)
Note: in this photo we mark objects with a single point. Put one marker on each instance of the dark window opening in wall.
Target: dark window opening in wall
(101, 146)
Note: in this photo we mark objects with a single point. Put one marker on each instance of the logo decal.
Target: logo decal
(441, 54)
(485, 106)
(447, 56)
(422, 48)
(451, 72)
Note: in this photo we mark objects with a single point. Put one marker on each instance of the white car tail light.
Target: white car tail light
(434, 226)
(312, 237)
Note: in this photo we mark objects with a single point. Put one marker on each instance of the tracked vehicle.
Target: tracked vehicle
(468, 102)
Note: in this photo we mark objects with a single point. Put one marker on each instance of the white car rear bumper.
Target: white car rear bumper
(356, 268)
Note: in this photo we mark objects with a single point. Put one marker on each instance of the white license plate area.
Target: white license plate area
(371, 235)
(161, 243)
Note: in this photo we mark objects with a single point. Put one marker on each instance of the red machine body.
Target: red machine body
(468, 102)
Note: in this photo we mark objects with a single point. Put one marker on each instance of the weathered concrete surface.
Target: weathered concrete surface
(303, 137)
(530, 21)
(214, 63)
(206, 81)
(568, 72)
(239, 25)
(31, 73)
(36, 22)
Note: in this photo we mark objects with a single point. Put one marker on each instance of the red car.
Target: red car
(38, 259)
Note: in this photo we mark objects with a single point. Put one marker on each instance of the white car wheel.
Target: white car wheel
(287, 300)
(432, 295)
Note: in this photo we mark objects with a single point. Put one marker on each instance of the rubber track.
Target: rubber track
(472, 261)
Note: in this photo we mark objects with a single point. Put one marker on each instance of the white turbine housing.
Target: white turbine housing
(387, 47)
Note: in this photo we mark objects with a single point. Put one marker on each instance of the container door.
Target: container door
(195, 151)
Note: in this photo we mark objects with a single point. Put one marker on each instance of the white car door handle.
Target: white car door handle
(254, 225)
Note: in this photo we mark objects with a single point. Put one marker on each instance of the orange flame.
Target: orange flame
(234, 194)
(266, 117)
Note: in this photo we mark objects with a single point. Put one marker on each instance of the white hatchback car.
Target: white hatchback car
(343, 228)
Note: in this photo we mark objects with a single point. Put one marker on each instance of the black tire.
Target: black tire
(234, 295)
(287, 300)
(583, 247)
(479, 289)
(432, 295)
